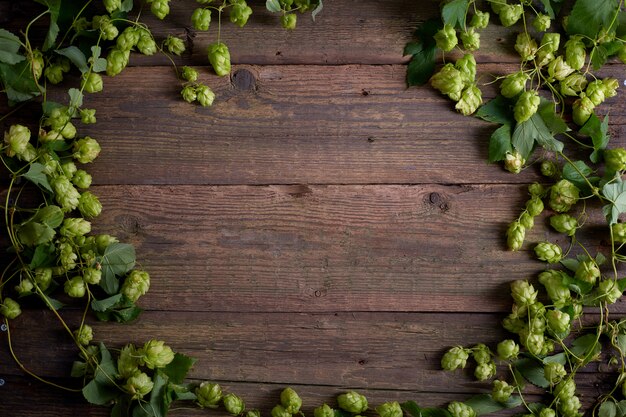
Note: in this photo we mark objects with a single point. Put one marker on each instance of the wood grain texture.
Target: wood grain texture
(296, 125)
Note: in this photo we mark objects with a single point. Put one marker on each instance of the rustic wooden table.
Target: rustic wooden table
(321, 226)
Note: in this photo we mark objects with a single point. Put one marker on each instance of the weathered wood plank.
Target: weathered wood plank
(347, 125)
(325, 248)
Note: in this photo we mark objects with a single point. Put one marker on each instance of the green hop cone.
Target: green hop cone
(156, 354)
(290, 400)
(201, 18)
(128, 362)
(558, 321)
(240, 13)
(542, 22)
(279, 411)
(547, 412)
(209, 395)
(480, 20)
(233, 404)
(618, 231)
(564, 223)
(54, 73)
(554, 372)
(549, 169)
(112, 5)
(565, 389)
(449, 81)
(389, 409)
(563, 195)
(446, 38)
(523, 293)
(471, 99)
(536, 190)
(558, 69)
(84, 335)
(66, 195)
(454, 358)
(588, 271)
(526, 46)
(515, 236)
(103, 242)
(485, 371)
(514, 162)
(128, 38)
(205, 95)
(507, 349)
(43, 278)
(534, 206)
(470, 40)
(160, 8)
(75, 287)
(189, 93)
(622, 54)
(510, 14)
(89, 205)
(501, 391)
(513, 84)
(459, 409)
(253, 413)
(481, 353)
(92, 276)
(138, 385)
(88, 116)
(135, 285)
(558, 292)
(174, 45)
(569, 407)
(550, 42)
(146, 44)
(10, 308)
(582, 109)
(575, 53)
(189, 74)
(289, 21)
(74, 227)
(608, 291)
(549, 252)
(595, 92)
(467, 67)
(116, 61)
(573, 84)
(81, 179)
(25, 287)
(37, 63)
(68, 260)
(107, 29)
(17, 139)
(219, 57)
(527, 220)
(352, 402)
(610, 86)
(86, 150)
(526, 106)
(324, 411)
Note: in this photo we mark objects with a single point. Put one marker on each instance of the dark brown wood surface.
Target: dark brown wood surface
(321, 226)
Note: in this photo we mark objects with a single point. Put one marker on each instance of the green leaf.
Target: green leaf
(558, 358)
(497, 110)
(44, 255)
(76, 98)
(51, 215)
(53, 31)
(98, 64)
(273, 6)
(586, 347)
(621, 284)
(532, 371)
(34, 233)
(118, 259)
(107, 303)
(317, 10)
(37, 176)
(578, 286)
(534, 130)
(181, 392)
(615, 192)
(100, 394)
(621, 408)
(51, 302)
(422, 65)
(18, 82)
(548, 7)
(608, 409)
(158, 405)
(9, 47)
(411, 408)
(598, 131)
(588, 16)
(177, 369)
(78, 369)
(127, 6)
(76, 56)
(553, 121)
(49, 106)
(577, 172)
(484, 404)
(621, 342)
(107, 369)
(570, 263)
(435, 412)
(453, 13)
(601, 53)
(500, 143)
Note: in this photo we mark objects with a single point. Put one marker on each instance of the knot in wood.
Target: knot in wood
(437, 200)
(243, 79)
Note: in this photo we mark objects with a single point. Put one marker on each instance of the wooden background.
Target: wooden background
(321, 226)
